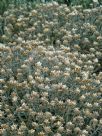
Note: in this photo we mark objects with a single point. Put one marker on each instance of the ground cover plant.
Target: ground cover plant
(4, 4)
(51, 71)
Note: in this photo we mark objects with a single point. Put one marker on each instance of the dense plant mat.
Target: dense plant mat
(51, 71)
(4, 4)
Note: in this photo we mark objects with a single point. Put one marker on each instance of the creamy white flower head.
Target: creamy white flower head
(30, 58)
(14, 99)
(55, 3)
(14, 127)
(85, 132)
(68, 69)
(47, 87)
(39, 64)
(95, 1)
(96, 60)
(85, 74)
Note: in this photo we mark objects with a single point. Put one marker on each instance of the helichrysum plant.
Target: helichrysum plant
(48, 80)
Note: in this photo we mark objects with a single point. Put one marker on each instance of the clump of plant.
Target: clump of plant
(48, 83)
